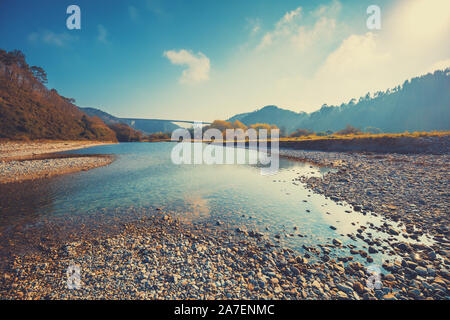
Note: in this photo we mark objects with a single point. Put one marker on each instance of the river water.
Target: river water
(143, 180)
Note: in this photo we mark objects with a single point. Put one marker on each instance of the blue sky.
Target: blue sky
(205, 60)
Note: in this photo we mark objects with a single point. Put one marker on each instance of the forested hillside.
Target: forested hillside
(419, 104)
(29, 110)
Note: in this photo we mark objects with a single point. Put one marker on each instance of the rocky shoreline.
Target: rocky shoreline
(159, 257)
(407, 188)
(413, 189)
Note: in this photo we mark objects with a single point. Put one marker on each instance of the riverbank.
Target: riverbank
(403, 143)
(20, 161)
(420, 143)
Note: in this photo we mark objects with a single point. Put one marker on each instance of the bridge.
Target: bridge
(168, 120)
(148, 126)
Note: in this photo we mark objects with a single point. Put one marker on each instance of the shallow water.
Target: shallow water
(143, 178)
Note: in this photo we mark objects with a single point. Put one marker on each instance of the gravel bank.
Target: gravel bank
(17, 150)
(21, 161)
(16, 171)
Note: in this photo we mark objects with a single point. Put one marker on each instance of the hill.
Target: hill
(106, 117)
(146, 126)
(419, 104)
(286, 120)
(28, 110)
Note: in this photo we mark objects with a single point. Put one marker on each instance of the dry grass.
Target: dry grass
(370, 135)
(314, 137)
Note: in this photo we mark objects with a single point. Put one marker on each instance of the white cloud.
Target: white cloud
(51, 38)
(332, 9)
(355, 68)
(198, 65)
(357, 52)
(289, 17)
(254, 25)
(413, 41)
(322, 30)
(315, 57)
(102, 35)
(283, 28)
(292, 29)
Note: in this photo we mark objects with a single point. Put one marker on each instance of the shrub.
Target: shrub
(348, 131)
(373, 130)
(158, 136)
(300, 133)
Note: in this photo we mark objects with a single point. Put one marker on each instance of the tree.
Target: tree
(69, 100)
(221, 125)
(125, 133)
(39, 74)
(239, 125)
